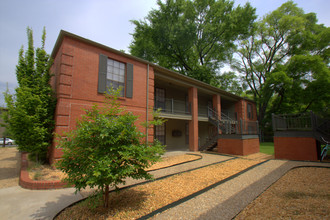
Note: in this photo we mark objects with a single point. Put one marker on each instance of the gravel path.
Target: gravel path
(228, 199)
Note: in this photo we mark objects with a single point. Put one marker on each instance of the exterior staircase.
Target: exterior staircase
(210, 144)
(225, 125)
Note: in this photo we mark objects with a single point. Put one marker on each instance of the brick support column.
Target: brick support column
(240, 109)
(193, 124)
(217, 104)
(217, 107)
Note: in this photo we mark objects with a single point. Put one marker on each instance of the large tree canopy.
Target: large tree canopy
(193, 37)
(285, 62)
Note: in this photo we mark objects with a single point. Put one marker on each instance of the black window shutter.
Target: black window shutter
(129, 81)
(102, 83)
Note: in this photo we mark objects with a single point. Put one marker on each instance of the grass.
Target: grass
(267, 148)
(37, 176)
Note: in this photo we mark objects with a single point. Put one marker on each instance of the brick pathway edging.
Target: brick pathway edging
(26, 182)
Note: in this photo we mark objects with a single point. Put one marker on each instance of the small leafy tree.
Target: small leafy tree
(30, 116)
(106, 147)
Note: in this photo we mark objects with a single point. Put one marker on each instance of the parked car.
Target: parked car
(8, 141)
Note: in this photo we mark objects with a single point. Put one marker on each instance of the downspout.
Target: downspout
(147, 114)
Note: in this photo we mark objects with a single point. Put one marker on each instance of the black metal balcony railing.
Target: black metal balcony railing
(307, 122)
(172, 106)
(286, 122)
(202, 110)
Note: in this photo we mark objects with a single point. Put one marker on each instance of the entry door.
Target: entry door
(160, 98)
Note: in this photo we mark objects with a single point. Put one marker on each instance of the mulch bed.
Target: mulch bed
(302, 193)
(138, 201)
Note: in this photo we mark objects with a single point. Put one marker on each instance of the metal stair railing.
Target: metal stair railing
(225, 117)
(209, 144)
(229, 126)
(212, 113)
(225, 124)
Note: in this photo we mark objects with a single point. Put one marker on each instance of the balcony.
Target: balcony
(171, 108)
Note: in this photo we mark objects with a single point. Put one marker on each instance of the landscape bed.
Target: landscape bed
(140, 200)
(302, 193)
(46, 172)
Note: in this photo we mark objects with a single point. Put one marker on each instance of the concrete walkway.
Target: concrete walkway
(18, 203)
(221, 202)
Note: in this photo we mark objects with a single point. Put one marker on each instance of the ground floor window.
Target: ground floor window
(160, 133)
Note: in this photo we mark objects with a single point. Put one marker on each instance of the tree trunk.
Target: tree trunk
(106, 197)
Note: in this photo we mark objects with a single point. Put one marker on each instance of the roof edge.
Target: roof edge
(64, 33)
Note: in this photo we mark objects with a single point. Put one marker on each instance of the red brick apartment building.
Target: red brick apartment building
(199, 116)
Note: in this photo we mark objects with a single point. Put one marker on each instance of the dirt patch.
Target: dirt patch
(46, 172)
(135, 202)
(302, 193)
(9, 166)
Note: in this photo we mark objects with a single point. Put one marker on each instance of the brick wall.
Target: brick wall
(76, 66)
(238, 146)
(295, 148)
(241, 110)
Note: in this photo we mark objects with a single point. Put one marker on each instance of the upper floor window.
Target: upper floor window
(160, 98)
(249, 111)
(116, 75)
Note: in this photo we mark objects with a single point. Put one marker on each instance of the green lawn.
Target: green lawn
(267, 148)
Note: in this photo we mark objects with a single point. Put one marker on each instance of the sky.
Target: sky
(104, 21)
